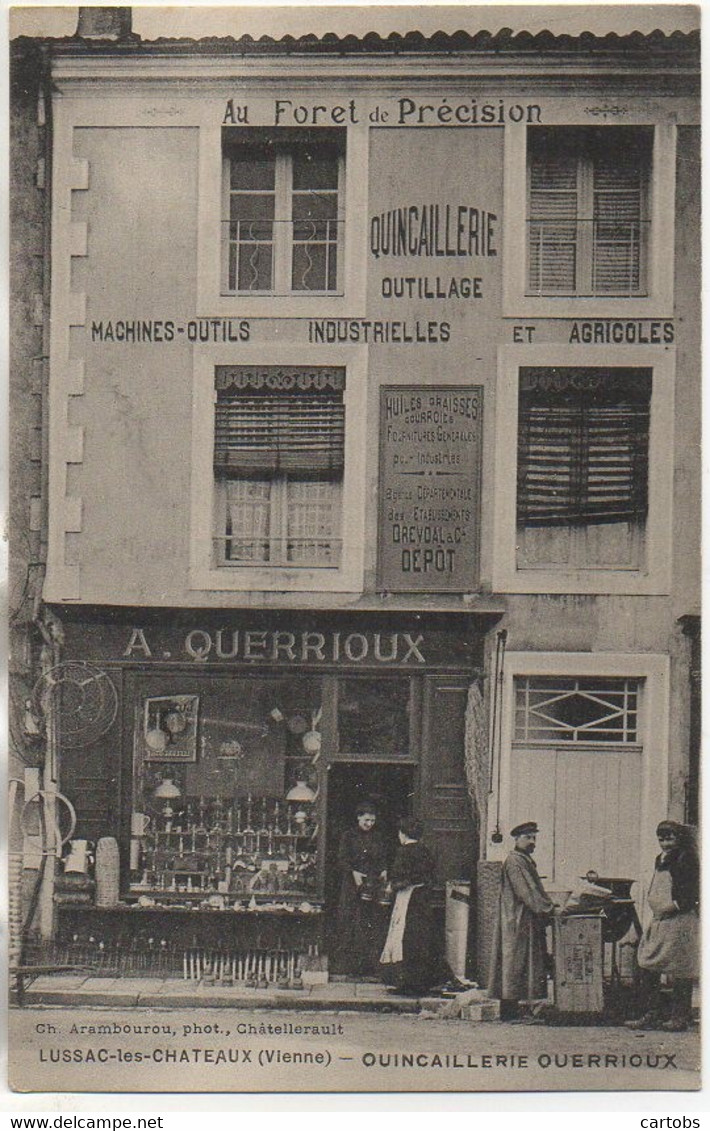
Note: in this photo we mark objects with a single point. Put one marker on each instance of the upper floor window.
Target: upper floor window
(278, 462)
(282, 217)
(583, 467)
(588, 210)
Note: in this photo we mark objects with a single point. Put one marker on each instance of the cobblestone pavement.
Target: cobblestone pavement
(202, 1049)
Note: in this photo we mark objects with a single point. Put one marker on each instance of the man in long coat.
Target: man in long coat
(518, 959)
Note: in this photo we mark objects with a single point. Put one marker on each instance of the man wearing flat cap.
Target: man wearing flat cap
(518, 960)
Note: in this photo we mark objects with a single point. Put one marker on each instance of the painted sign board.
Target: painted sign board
(430, 473)
(216, 638)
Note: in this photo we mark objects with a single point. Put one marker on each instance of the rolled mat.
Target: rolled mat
(107, 872)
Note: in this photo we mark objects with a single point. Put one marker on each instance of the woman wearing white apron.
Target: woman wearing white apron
(669, 945)
(411, 961)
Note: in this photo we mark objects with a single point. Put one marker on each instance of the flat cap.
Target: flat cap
(524, 829)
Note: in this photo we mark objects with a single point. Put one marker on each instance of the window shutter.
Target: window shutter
(546, 465)
(553, 208)
(618, 229)
(283, 432)
(583, 462)
(587, 193)
(614, 482)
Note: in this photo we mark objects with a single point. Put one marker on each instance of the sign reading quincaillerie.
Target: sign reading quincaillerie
(430, 471)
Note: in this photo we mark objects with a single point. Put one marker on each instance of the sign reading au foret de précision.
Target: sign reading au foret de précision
(430, 464)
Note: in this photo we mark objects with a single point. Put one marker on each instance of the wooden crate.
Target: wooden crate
(579, 986)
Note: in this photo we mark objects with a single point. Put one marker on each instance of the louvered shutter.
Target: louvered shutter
(279, 432)
(583, 462)
(614, 464)
(552, 228)
(618, 231)
(587, 227)
(546, 465)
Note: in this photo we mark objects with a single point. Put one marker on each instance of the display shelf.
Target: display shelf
(256, 847)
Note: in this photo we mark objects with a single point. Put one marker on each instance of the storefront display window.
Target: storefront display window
(224, 791)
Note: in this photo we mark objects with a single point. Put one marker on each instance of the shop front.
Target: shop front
(239, 750)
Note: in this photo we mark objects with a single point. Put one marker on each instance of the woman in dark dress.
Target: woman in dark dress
(669, 944)
(362, 861)
(411, 961)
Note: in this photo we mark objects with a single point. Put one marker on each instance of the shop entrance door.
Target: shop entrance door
(390, 787)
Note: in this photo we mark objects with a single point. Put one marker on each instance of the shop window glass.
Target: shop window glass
(373, 717)
(224, 789)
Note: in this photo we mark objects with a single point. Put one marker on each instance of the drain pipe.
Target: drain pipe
(497, 727)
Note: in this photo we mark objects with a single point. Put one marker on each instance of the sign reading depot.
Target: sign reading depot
(430, 461)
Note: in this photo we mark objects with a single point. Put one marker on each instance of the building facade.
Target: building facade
(299, 287)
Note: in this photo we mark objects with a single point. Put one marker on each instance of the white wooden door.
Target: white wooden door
(586, 800)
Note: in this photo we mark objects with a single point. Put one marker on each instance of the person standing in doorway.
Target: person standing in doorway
(362, 861)
(411, 961)
(524, 907)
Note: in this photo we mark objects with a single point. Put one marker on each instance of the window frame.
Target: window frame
(348, 576)
(655, 575)
(282, 242)
(278, 509)
(585, 153)
(350, 299)
(579, 532)
(657, 299)
(591, 738)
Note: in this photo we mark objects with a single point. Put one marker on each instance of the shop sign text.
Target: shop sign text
(273, 646)
(434, 230)
(403, 111)
(631, 332)
(430, 460)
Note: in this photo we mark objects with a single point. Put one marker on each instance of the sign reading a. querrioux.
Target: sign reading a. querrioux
(430, 471)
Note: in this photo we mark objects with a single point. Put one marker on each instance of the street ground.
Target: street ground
(109, 1049)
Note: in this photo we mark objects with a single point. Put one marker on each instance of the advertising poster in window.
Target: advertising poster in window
(354, 599)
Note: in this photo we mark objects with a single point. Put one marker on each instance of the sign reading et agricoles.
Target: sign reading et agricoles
(430, 471)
